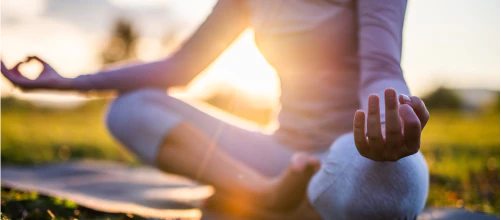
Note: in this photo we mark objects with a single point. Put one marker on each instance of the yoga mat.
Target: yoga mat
(112, 187)
(145, 191)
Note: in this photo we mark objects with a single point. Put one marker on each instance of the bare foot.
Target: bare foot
(239, 211)
(288, 190)
(283, 194)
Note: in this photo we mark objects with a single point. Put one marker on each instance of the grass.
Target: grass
(32, 135)
(30, 205)
(462, 151)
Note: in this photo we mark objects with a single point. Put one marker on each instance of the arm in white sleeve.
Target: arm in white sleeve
(380, 24)
(155, 74)
(227, 20)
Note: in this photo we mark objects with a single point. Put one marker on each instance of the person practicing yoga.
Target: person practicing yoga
(349, 132)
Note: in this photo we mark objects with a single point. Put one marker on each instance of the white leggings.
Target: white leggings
(348, 186)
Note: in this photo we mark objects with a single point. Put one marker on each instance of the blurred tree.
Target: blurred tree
(443, 98)
(121, 45)
(496, 106)
(493, 106)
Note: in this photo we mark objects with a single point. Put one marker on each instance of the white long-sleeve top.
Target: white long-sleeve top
(330, 56)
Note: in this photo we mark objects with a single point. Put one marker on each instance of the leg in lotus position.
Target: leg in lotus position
(179, 138)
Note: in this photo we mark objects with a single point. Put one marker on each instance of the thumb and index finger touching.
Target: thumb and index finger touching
(418, 106)
(28, 59)
(14, 75)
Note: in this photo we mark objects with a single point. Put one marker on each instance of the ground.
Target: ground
(462, 151)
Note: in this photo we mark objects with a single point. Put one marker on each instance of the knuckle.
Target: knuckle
(404, 155)
(358, 125)
(416, 149)
(420, 101)
(417, 102)
(372, 119)
(373, 155)
(376, 158)
(421, 104)
(396, 157)
(393, 132)
(373, 112)
(359, 144)
(393, 157)
(373, 138)
(389, 158)
(363, 154)
(390, 99)
(412, 150)
(413, 124)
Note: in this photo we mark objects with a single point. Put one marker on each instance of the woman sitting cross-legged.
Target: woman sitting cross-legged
(348, 141)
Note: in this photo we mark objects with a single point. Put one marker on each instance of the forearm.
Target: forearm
(380, 47)
(159, 74)
(227, 20)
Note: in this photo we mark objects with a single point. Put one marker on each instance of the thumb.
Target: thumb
(15, 69)
(418, 106)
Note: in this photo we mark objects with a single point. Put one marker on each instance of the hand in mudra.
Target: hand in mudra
(48, 78)
(400, 136)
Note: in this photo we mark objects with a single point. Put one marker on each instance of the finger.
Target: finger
(46, 67)
(376, 143)
(14, 76)
(412, 129)
(15, 69)
(393, 125)
(7, 72)
(19, 79)
(4, 68)
(36, 58)
(419, 107)
(404, 99)
(45, 64)
(359, 133)
(421, 111)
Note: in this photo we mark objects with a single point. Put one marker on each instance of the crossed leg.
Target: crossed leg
(350, 186)
(179, 138)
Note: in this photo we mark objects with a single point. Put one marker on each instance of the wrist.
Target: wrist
(80, 83)
(66, 84)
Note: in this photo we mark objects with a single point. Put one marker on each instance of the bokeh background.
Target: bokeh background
(450, 59)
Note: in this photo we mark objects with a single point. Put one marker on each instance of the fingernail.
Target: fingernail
(390, 92)
(406, 99)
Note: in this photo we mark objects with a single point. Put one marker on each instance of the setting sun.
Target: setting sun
(241, 66)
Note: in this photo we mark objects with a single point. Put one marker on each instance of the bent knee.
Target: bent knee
(128, 108)
(350, 186)
(370, 200)
(139, 121)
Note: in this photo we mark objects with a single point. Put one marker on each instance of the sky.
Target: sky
(452, 43)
